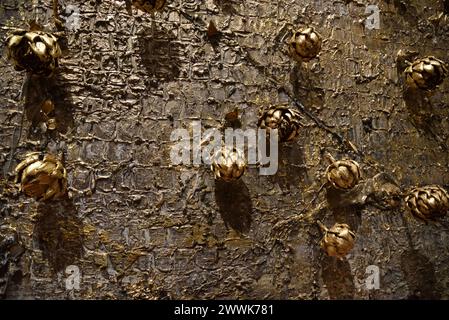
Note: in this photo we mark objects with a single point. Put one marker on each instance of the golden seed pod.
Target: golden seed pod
(149, 6)
(51, 124)
(343, 174)
(34, 51)
(305, 44)
(228, 164)
(42, 176)
(48, 120)
(283, 118)
(338, 240)
(428, 203)
(426, 73)
(47, 107)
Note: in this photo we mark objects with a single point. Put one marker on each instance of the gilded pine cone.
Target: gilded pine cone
(228, 164)
(149, 6)
(426, 73)
(34, 51)
(42, 177)
(285, 119)
(343, 174)
(338, 240)
(305, 44)
(428, 203)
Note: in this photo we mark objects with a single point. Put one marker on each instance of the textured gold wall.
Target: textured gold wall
(135, 226)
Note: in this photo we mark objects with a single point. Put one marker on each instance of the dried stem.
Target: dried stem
(329, 158)
(56, 18)
(322, 227)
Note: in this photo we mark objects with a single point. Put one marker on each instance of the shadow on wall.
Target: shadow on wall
(423, 115)
(345, 206)
(306, 86)
(226, 6)
(54, 89)
(337, 277)
(291, 170)
(420, 276)
(404, 8)
(161, 55)
(234, 204)
(10, 252)
(58, 232)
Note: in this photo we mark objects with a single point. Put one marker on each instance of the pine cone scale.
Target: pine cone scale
(228, 164)
(428, 203)
(35, 51)
(42, 178)
(338, 240)
(343, 174)
(283, 118)
(426, 73)
(305, 44)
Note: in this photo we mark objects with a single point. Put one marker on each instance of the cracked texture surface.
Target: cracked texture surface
(137, 227)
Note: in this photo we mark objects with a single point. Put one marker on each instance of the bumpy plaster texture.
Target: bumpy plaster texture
(135, 226)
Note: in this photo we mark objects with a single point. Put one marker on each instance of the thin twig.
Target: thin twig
(322, 227)
(317, 194)
(56, 17)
